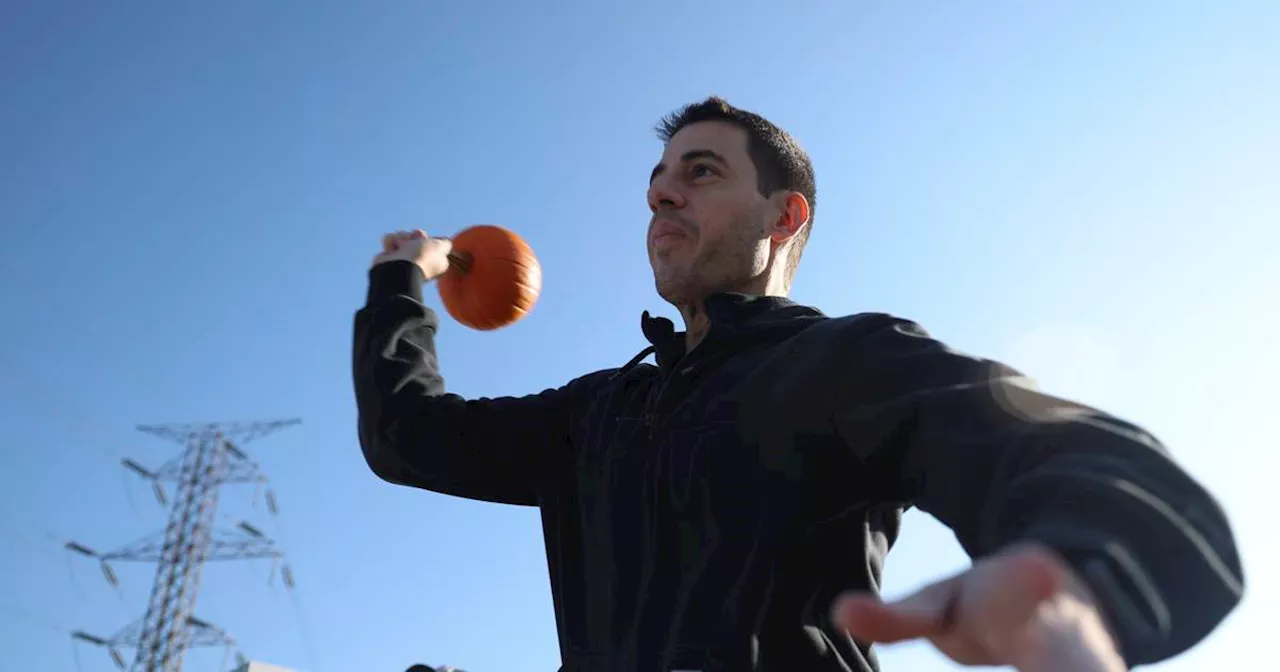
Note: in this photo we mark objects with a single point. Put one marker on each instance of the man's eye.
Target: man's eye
(702, 170)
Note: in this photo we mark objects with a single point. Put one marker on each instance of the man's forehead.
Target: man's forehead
(720, 137)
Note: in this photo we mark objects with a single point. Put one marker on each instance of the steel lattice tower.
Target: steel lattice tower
(211, 459)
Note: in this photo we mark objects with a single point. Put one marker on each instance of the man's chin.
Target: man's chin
(672, 287)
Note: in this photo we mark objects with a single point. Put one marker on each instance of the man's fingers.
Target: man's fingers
(1017, 584)
(1013, 588)
(930, 614)
(927, 613)
(869, 620)
(392, 241)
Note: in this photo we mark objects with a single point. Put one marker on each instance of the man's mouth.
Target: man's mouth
(663, 229)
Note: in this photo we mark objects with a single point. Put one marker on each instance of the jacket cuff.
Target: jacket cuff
(1130, 604)
(395, 278)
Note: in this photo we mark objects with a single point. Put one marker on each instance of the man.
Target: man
(730, 507)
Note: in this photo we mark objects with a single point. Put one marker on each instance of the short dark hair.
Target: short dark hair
(779, 160)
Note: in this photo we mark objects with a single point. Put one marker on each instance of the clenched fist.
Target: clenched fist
(430, 254)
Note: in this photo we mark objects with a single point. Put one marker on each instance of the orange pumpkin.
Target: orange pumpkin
(493, 278)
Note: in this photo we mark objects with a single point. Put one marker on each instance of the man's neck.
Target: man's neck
(696, 324)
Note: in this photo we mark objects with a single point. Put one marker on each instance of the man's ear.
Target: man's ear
(793, 216)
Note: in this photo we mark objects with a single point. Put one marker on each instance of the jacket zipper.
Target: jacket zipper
(651, 413)
(678, 379)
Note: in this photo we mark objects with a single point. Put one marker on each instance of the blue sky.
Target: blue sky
(190, 194)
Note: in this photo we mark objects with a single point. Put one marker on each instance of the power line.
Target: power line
(53, 400)
(313, 659)
(32, 618)
(39, 290)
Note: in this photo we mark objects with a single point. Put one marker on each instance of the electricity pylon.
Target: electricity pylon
(211, 459)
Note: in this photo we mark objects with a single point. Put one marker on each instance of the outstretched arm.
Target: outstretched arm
(415, 433)
(971, 442)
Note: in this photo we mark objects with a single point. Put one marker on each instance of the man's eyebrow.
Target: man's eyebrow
(688, 156)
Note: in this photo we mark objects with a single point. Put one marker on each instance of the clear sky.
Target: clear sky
(190, 194)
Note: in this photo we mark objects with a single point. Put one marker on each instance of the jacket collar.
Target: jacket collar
(731, 314)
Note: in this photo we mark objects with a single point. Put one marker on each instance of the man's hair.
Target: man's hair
(779, 160)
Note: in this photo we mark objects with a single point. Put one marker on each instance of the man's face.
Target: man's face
(710, 229)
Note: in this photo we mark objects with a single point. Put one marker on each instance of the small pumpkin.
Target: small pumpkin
(493, 278)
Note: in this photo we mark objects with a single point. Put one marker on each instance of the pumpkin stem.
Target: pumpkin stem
(461, 261)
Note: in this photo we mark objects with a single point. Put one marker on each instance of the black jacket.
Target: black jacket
(703, 513)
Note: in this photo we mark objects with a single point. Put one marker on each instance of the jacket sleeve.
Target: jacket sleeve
(974, 444)
(414, 433)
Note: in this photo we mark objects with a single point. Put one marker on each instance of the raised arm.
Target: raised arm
(414, 433)
(972, 443)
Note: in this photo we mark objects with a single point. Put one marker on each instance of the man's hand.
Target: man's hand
(1022, 608)
(430, 254)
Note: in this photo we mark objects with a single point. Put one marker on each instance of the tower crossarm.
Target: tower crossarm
(241, 432)
(244, 542)
(239, 468)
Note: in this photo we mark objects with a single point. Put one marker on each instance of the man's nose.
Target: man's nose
(663, 195)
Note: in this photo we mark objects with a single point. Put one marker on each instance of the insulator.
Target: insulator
(287, 575)
(251, 529)
(231, 448)
(82, 550)
(117, 658)
(89, 638)
(136, 468)
(110, 575)
(160, 494)
(271, 502)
